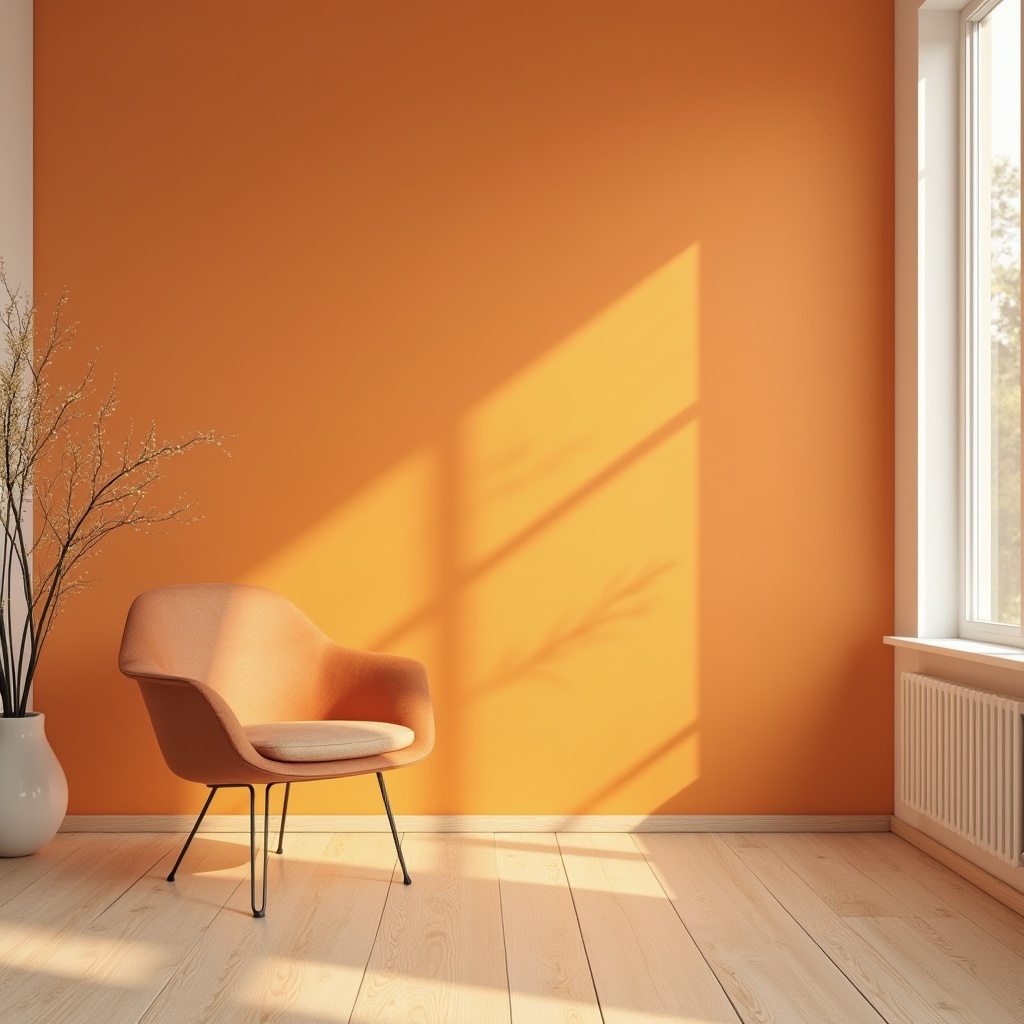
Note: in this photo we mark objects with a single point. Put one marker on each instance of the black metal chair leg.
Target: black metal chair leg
(260, 911)
(394, 831)
(284, 814)
(192, 834)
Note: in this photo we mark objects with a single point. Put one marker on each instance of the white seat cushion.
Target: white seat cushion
(327, 741)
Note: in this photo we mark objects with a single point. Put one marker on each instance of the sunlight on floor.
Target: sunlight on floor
(276, 982)
(24, 947)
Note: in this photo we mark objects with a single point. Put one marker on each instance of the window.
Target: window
(991, 320)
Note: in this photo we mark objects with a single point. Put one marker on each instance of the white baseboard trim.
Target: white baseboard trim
(490, 823)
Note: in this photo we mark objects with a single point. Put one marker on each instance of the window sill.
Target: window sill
(998, 655)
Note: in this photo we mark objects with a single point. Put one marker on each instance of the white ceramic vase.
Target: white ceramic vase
(33, 789)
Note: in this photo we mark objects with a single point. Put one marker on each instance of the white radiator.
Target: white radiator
(962, 763)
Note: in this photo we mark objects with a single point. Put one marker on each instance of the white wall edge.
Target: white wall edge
(16, 161)
(489, 823)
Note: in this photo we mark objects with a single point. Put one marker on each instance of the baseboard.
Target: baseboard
(491, 823)
(963, 867)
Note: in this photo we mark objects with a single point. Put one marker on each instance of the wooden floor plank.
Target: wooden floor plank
(994, 965)
(644, 962)
(793, 928)
(112, 969)
(305, 960)
(880, 977)
(972, 970)
(64, 900)
(548, 973)
(770, 968)
(439, 954)
(984, 910)
(17, 873)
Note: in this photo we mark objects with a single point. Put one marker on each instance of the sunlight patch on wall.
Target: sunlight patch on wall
(676, 757)
(571, 415)
(578, 621)
(367, 565)
(540, 555)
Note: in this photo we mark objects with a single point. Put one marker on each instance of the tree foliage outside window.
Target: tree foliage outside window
(1005, 308)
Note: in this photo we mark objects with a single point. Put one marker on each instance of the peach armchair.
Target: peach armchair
(243, 690)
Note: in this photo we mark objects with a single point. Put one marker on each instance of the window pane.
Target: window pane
(996, 319)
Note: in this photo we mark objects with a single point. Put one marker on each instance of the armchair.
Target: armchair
(244, 690)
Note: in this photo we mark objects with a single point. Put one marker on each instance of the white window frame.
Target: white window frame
(974, 453)
(928, 572)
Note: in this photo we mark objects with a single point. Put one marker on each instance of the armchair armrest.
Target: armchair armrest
(367, 686)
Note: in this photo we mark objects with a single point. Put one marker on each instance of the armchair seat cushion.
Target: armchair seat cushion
(327, 740)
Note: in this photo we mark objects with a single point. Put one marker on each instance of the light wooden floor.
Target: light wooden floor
(528, 929)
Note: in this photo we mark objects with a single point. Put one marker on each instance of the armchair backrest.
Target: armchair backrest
(252, 646)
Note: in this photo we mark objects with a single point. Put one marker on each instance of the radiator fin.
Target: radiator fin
(963, 761)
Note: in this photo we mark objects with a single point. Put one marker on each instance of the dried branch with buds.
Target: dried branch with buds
(57, 460)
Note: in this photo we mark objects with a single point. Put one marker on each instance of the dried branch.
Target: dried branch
(57, 459)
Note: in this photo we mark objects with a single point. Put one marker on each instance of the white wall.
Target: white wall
(16, 140)
(16, 146)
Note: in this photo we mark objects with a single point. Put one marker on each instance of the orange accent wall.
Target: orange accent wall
(555, 343)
